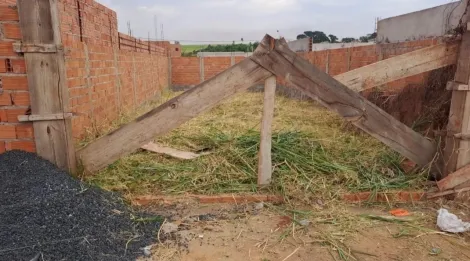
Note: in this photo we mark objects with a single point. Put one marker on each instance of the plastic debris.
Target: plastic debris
(399, 212)
(449, 222)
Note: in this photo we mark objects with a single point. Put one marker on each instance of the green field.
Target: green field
(191, 48)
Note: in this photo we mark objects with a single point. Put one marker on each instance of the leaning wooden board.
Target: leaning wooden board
(275, 56)
(170, 115)
(399, 67)
(364, 114)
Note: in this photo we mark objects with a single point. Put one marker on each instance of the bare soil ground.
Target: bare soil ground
(249, 232)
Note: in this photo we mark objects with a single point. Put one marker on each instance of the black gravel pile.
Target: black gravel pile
(45, 214)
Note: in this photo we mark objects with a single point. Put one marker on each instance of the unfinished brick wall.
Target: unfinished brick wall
(14, 94)
(107, 72)
(186, 71)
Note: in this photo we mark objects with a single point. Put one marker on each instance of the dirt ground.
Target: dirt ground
(262, 232)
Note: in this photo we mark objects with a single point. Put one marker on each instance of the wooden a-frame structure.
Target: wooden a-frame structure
(273, 58)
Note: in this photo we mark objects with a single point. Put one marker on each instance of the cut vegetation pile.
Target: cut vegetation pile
(315, 155)
(45, 214)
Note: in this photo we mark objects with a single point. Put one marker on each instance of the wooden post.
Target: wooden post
(39, 22)
(265, 163)
(201, 69)
(457, 151)
(327, 69)
(275, 56)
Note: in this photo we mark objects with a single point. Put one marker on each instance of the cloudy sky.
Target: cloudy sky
(226, 20)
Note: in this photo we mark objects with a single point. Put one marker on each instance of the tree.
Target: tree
(348, 40)
(317, 36)
(364, 39)
(333, 38)
(301, 36)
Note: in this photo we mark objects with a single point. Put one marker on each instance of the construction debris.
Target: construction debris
(461, 176)
(48, 215)
(449, 222)
(185, 155)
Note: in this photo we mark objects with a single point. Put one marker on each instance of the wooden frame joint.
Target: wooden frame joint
(36, 48)
(46, 117)
(462, 136)
(456, 86)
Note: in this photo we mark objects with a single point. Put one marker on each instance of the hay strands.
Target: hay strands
(184, 155)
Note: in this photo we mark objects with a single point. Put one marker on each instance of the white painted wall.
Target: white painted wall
(223, 54)
(301, 45)
(329, 46)
(427, 23)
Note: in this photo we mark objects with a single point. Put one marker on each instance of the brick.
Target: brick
(12, 31)
(20, 98)
(3, 67)
(6, 49)
(2, 147)
(3, 116)
(12, 114)
(9, 13)
(21, 145)
(5, 99)
(18, 65)
(24, 131)
(7, 132)
(15, 83)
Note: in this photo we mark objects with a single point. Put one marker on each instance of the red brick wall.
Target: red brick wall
(186, 70)
(14, 94)
(107, 72)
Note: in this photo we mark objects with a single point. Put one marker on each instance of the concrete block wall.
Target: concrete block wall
(427, 23)
(107, 72)
(14, 94)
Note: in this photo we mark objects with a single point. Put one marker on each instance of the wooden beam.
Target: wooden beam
(264, 162)
(399, 67)
(36, 48)
(455, 179)
(50, 117)
(457, 152)
(446, 193)
(275, 56)
(170, 115)
(455, 86)
(462, 136)
(39, 23)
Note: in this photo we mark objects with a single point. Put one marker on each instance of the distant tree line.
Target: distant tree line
(234, 47)
(321, 37)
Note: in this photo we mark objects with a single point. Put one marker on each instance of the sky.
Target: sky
(205, 21)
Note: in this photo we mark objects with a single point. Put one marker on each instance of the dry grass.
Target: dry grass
(315, 155)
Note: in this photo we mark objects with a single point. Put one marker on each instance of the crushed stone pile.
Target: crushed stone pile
(46, 214)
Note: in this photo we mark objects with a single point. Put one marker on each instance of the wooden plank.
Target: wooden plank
(446, 193)
(455, 179)
(275, 56)
(264, 161)
(462, 136)
(35, 48)
(170, 115)
(457, 152)
(185, 155)
(399, 67)
(39, 22)
(50, 117)
(455, 86)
